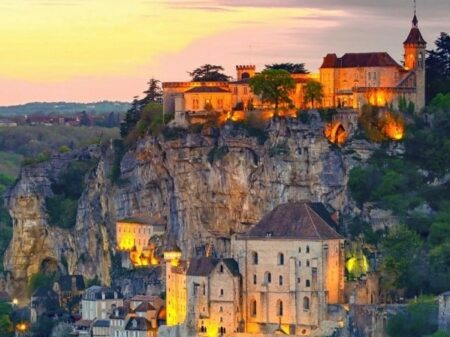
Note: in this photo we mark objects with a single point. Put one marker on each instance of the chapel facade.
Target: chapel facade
(280, 277)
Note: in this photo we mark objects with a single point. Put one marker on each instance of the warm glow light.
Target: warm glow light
(22, 327)
(335, 133)
(394, 128)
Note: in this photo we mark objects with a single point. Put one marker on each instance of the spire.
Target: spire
(415, 21)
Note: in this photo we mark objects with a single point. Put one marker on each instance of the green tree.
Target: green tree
(419, 319)
(313, 92)
(273, 86)
(292, 68)
(132, 116)
(403, 263)
(209, 72)
(153, 94)
(438, 68)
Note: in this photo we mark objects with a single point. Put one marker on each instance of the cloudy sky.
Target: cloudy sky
(90, 50)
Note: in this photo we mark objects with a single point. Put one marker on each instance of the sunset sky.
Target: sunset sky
(90, 50)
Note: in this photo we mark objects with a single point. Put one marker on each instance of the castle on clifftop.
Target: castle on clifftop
(350, 81)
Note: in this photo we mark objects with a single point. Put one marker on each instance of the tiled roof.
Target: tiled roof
(301, 220)
(354, 60)
(144, 307)
(206, 89)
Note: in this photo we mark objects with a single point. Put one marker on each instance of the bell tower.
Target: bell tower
(415, 51)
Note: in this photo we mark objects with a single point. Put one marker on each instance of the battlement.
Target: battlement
(246, 67)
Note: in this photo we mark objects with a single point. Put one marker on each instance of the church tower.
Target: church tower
(415, 49)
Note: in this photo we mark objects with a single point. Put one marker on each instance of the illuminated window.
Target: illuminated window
(280, 259)
(306, 303)
(255, 258)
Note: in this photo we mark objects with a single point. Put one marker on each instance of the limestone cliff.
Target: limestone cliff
(206, 185)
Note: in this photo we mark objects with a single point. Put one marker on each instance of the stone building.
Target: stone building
(350, 81)
(444, 311)
(281, 276)
(134, 237)
(98, 303)
(356, 79)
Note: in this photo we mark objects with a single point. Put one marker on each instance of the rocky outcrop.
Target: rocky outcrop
(206, 186)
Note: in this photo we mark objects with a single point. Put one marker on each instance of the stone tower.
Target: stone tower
(245, 71)
(415, 49)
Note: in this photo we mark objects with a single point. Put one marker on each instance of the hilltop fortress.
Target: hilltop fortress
(350, 81)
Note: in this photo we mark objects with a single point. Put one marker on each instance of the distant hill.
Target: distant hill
(63, 108)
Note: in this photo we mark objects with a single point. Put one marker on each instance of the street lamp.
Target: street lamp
(15, 301)
(22, 329)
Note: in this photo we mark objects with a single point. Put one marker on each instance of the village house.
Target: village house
(282, 276)
(350, 81)
(98, 303)
(69, 289)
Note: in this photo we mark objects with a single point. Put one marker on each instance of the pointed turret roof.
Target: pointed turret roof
(415, 37)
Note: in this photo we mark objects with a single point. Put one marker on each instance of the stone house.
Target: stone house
(101, 328)
(98, 302)
(444, 311)
(44, 301)
(70, 290)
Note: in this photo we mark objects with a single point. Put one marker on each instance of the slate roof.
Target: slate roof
(119, 313)
(95, 293)
(65, 282)
(300, 220)
(201, 266)
(354, 60)
(232, 265)
(415, 37)
(138, 324)
(101, 323)
(206, 89)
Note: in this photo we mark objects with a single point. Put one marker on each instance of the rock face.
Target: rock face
(205, 185)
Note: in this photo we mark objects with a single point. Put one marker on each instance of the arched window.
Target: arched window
(307, 249)
(308, 283)
(253, 308)
(306, 303)
(255, 258)
(279, 308)
(254, 279)
(268, 277)
(280, 280)
(280, 259)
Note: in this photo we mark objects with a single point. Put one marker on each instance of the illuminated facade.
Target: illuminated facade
(192, 102)
(134, 236)
(356, 79)
(281, 276)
